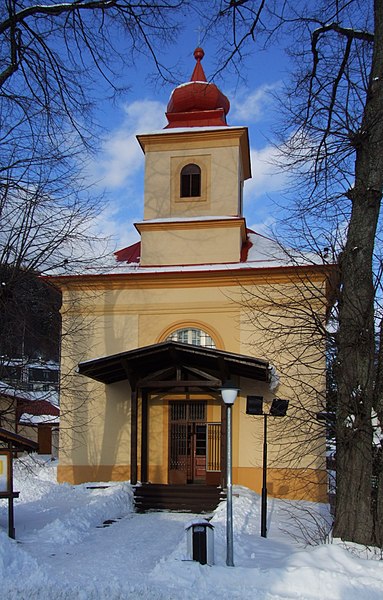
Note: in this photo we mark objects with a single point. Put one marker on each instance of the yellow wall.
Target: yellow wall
(162, 198)
(191, 243)
(223, 161)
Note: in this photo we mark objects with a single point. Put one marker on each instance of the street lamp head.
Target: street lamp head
(229, 392)
(254, 405)
(279, 407)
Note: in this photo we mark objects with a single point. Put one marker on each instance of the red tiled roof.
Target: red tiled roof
(131, 254)
(247, 244)
(37, 407)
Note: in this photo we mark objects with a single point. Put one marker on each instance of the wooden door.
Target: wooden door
(187, 442)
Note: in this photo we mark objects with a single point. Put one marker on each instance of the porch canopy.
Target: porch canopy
(169, 367)
(152, 364)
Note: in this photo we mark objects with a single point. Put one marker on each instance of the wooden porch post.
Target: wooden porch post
(133, 436)
(144, 436)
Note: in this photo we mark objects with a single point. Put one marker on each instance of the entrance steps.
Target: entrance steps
(181, 498)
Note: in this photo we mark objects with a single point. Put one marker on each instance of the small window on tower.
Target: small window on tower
(190, 181)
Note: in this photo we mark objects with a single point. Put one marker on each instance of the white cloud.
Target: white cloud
(118, 170)
(116, 225)
(251, 107)
(121, 157)
(264, 227)
(267, 176)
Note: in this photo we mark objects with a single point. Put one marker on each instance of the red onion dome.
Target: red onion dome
(197, 102)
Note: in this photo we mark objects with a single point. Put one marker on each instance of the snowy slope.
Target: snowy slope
(62, 550)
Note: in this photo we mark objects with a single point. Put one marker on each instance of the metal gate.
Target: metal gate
(213, 450)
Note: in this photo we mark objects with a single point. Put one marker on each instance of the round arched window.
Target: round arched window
(191, 335)
(190, 182)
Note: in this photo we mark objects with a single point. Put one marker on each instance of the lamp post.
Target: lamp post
(229, 393)
(264, 480)
(278, 408)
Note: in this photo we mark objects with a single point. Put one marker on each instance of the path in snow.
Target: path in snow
(128, 549)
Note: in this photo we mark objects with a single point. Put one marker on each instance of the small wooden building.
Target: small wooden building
(32, 415)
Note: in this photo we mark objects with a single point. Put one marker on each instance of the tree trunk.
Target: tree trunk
(378, 450)
(378, 500)
(356, 343)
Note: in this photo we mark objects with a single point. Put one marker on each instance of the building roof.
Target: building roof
(31, 419)
(19, 442)
(258, 251)
(38, 408)
(145, 366)
(9, 391)
(198, 102)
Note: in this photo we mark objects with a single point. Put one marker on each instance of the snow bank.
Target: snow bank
(86, 543)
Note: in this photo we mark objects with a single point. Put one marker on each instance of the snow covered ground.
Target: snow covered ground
(64, 551)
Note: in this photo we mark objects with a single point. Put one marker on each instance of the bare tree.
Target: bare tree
(56, 59)
(332, 141)
(52, 57)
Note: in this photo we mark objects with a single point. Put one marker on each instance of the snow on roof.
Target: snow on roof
(192, 219)
(37, 412)
(194, 129)
(8, 390)
(258, 252)
(181, 85)
(24, 362)
(49, 396)
(39, 407)
(28, 419)
(51, 366)
(266, 250)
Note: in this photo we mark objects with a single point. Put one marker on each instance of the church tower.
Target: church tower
(194, 174)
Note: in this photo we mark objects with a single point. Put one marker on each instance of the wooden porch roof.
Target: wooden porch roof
(16, 441)
(148, 365)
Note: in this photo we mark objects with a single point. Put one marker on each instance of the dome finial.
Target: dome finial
(198, 73)
(199, 54)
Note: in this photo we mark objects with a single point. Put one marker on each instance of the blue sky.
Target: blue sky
(118, 167)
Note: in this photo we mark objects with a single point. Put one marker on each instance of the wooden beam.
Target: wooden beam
(133, 436)
(181, 384)
(144, 436)
(223, 368)
(130, 374)
(203, 374)
(17, 441)
(155, 374)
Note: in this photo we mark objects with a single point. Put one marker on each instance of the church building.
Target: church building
(150, 341)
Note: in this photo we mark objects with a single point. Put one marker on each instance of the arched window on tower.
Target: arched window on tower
(190, 183)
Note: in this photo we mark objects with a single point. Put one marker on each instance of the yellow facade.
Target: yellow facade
(96, 419)
(160, 242)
